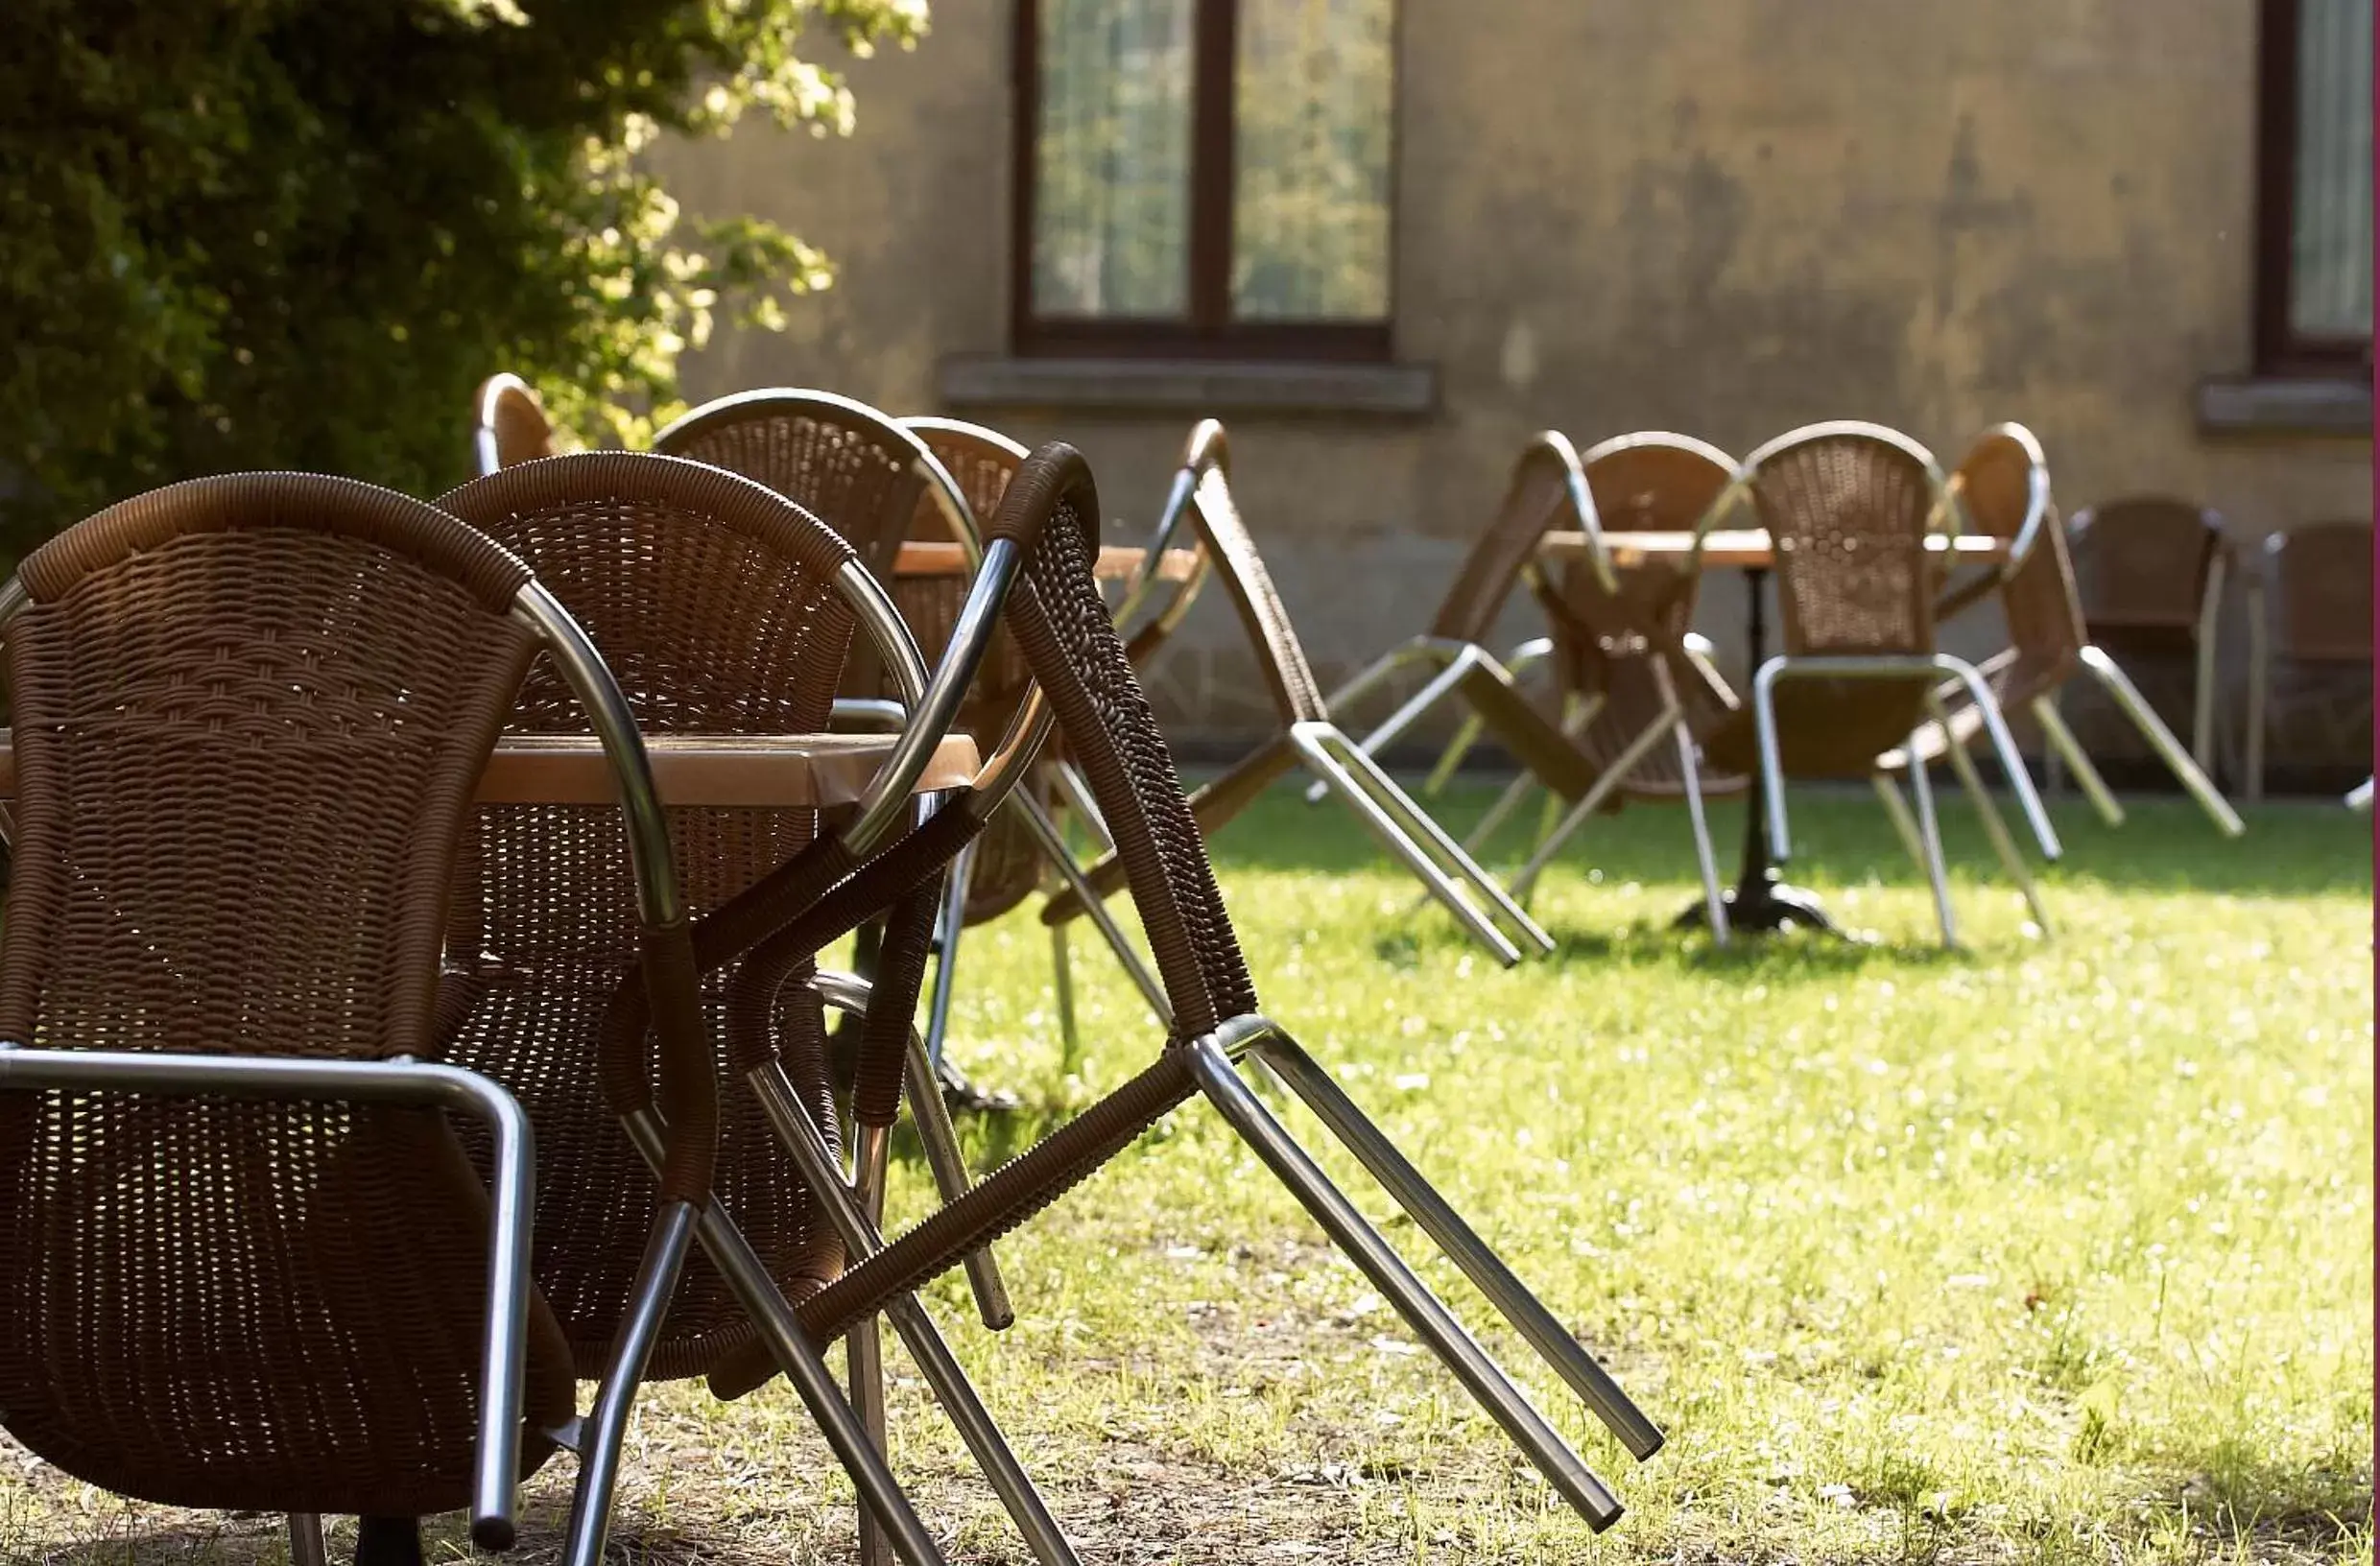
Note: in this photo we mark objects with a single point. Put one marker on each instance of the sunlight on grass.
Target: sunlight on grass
(2050, 1250)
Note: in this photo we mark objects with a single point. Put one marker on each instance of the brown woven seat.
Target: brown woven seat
(2003, 483)
(509, 424)
(1307, 736)
(2312, 612)
(1066, 633)
(724, 609)
(1848, 508)
(250, 712)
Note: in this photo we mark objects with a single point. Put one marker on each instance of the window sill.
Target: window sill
(2251, 405)
(1190, 386)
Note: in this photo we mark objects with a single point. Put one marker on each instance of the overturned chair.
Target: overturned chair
(1307, 736)
(1044, 540)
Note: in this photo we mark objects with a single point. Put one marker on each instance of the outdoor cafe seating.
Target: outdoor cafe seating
(424, 910)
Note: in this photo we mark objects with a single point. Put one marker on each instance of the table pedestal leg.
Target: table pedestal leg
(1760, 901)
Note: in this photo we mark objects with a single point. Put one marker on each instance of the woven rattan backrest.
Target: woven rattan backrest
(250, 712)
(1848, 508)
(510, 425)
(1651, 481)
(713, 602)
(2142, 561)
(1064, 625)
(1998, 483)
(1535, 500)
(1279, 657)
(2321, 592)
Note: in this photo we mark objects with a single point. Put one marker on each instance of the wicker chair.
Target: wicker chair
(1307, 736)
(1067, 636)
(245, 1261)
(726, 611)
(509, 424)
(2149, 572)
(1006, 865)
(1630, 669)
(1848, 508)
(2003, 483)
(2311, 610)
(1546, 490)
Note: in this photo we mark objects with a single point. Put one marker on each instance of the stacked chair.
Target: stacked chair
(2310, 620)
(2150, 571)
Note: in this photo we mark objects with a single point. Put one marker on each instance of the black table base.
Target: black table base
(1760, 901)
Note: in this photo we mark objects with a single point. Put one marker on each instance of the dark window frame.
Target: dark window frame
(1208, 330)
(2281, 351)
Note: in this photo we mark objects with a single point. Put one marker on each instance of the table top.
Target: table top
(727, 771)
(1744, 548)
(1117, 562)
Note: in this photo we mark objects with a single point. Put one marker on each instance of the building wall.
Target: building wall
(1726, 217)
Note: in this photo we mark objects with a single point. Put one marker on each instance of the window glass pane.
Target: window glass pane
(1310, 223)
(2330, 269)
(1112, 199)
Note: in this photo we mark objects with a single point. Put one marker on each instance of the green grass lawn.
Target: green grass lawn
(2052, 1250)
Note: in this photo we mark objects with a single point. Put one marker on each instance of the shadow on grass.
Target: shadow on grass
(1841, 838)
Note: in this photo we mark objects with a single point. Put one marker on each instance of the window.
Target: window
(2314, 262)
(1205, 177)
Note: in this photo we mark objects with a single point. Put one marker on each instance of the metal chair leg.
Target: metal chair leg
(1385, 828)
(1904, 825)
(1316, 1088)
(1466, 735)
(1062, 980)
(850, 993)
(741, 1269)
(1052, 844)
(2062, 743)
(1422, 1310)
(2203, 703)
(305, 1540)
(1587, 803)
(1437, 689)
(926, 1346)
(1423, 829)
(2001, 844)
(1515, 792)
(2259, 679)
(1930, 835)
(1690, 775)
(949, 924)
(2161, 739)
(2359, 797)
(605, 1432)
(2011, 760)
(863, 1350)
(1771, 757)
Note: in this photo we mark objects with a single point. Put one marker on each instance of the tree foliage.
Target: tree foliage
(295, 234)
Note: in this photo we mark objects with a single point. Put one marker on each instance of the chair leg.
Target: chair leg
(2259, 678)
(1515, 792)
(2359, 797)
(2012, 761)
(384, 1541)
(863, 1349)
(1052, 844)
(1423, 829)
(1690, 778)
(741, 1267)
(2210, 666)
(2053, 761)
(605, 1432)
(1321, 1093)
(1930, 836)
(2001, 844)
(1610, 778)
(2063, 744)
(1385, 828)
(1438, 687)
(1423, 1312)
(950, 924)
(941, 1141)
(305, 1540)
(1466, 735)
(1062, 980)
(926, 1346)
(2161, 739)
(848, 993)
(1904, 825)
